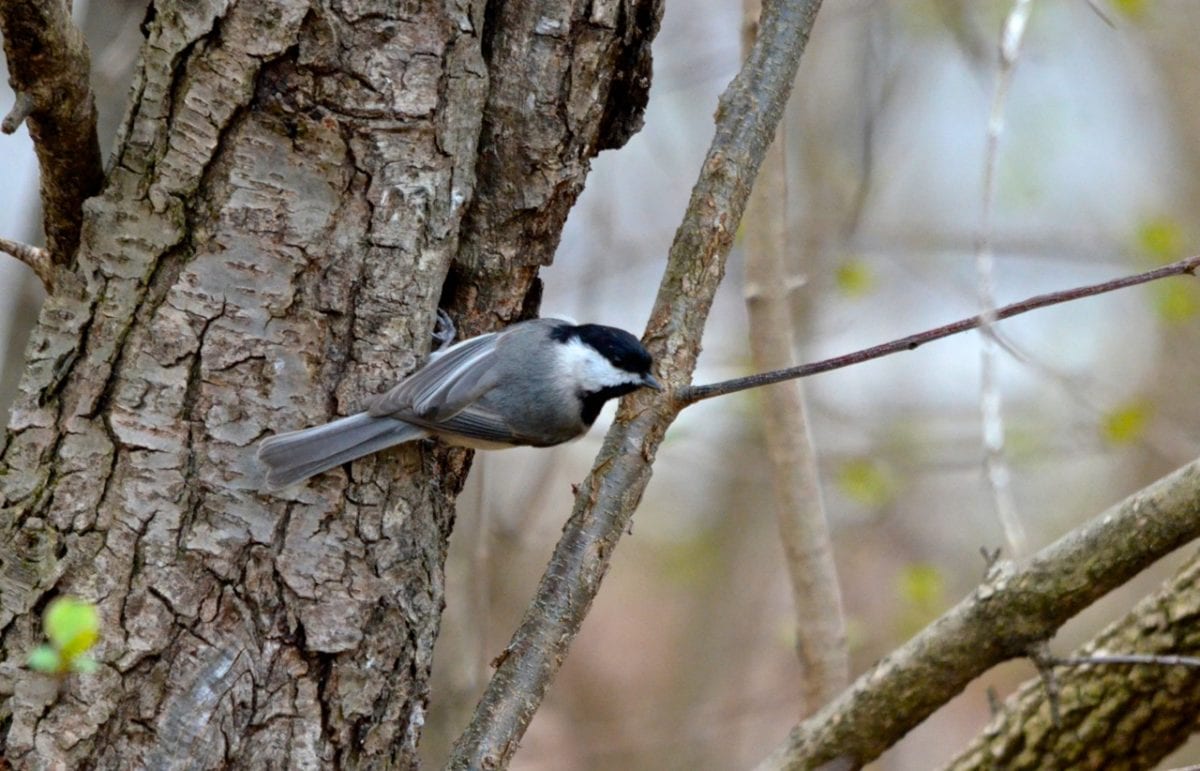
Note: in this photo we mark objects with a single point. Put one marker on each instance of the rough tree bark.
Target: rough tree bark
(293, 183)
(1109, 716)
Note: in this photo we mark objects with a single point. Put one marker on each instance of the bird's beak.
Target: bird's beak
(650, 381)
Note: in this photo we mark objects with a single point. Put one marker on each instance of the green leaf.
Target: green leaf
(72, 625)
(921, 584)
(690, 562)
(1161, 239)
(922, 591)
(1175, 301)
(1126, 423)
(45, 659)
(855, 278)
(1133, 9)
(868, 482)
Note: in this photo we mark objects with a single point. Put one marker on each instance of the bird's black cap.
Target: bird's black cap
(618, 346)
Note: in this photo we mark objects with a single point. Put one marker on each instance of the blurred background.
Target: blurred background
(687, 659)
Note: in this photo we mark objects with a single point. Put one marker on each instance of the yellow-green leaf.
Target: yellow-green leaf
(72, 625)
(867, 482)
(922, 593)
(855, 278)
(1161, 239)
(690, 561)
(45, 659)
(1175, 301)
(1133, 9)
(1126, 423)
(921, 585)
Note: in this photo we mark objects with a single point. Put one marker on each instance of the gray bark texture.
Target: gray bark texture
(294, 184)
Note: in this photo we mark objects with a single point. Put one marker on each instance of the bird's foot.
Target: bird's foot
(443, 331)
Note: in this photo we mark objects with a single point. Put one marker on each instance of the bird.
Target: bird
(536, 383)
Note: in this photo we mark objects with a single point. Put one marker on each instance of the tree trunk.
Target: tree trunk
(291, 188)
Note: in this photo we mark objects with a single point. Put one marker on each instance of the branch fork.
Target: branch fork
(39, 261)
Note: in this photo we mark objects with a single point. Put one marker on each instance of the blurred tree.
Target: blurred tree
(295, 187)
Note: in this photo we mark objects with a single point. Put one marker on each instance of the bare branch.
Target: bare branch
(21, 108)
(747, 115)
(995, 466)
(1100, 11)
(1000, 620)
(48, 66)
(796, 485)
(691, 394)
(37, 259)
(1128, 659)
(1039, 654)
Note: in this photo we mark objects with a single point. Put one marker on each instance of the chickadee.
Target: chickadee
(539, 383)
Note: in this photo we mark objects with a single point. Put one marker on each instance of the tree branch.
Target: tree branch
(991, 413)
(1011, 611)
(692, 394)
(747, 116)
(820, 625)
(38, 260)
(1132, 718)
(48, 65)
(21, 108)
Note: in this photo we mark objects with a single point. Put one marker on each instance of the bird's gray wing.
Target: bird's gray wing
(448, 384)
(480, 424)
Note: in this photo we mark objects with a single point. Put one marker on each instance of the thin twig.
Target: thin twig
(48, 66)
(38, 260)
(1039, 654)
(691, 394)
(993, 700)
(995, 467)
(1099, 11)
(17, 115)
(747, 116)
(1133, 659)
(1000, 620)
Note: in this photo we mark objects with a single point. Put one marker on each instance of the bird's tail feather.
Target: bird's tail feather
(298, 455)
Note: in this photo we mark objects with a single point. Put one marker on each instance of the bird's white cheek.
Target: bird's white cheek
(584, 367)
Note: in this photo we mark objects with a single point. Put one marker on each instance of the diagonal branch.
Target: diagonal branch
(747, 116)
(48, 65)
(691, 394)
(1000, 620)
(1131, 710)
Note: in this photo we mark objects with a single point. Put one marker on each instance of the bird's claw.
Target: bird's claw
(443, 331)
